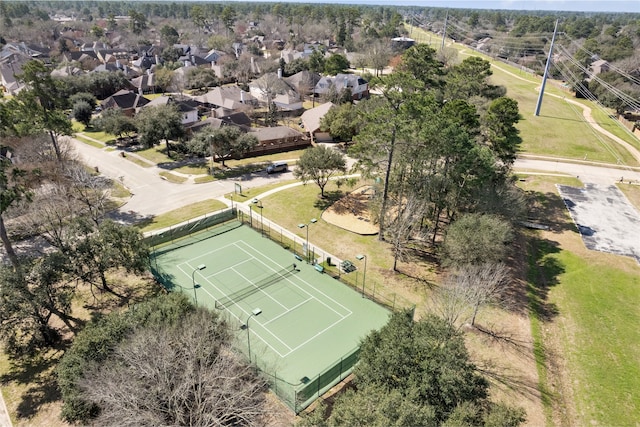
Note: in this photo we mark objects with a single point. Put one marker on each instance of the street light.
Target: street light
(193, 281)
(312, 221)
(258, 204)
(360, 257)
(255, 312)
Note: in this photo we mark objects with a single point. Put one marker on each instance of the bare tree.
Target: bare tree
(185, 375)
(470, 288)
(405, 228)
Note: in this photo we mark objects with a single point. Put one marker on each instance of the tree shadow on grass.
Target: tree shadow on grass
(37, 373)
(543, 273)
(330, 197)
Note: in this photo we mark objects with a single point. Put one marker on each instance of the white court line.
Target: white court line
(263, 326)
(242, 309)
(342, 316)
(260, 290)
(288, 311)
(303, 281)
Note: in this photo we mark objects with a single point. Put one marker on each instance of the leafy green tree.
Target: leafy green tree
(82, 112)
(84, 96)
(319, 164)
(169, 35)
(477, 239)
(115, 122)
(417, 373)
(387, 127)
(501, 132)
(14, 187)
(198, 16)
(171, 54)
(30, 296)
(336, 64)
(468, 79)
(228, 18)
(201, 78)
(341, 122)
(95, 250)
(39, 105)
(420, 62)
(316, 61)
(223, 143)
(379, 406)
(97, 31)
(137, 22)
(163, 122)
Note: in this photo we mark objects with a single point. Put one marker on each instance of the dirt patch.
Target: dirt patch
(351, 212)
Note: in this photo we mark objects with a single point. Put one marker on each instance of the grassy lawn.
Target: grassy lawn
(155, 155)
(183, 214)
(632, 192)
(302, 204)
(598, 305)
(139, 162)
(173, 177)
(539, 134)
(584, 312)
(88, 141)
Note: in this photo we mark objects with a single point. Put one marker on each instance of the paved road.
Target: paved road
(587, 172)
(153, 195)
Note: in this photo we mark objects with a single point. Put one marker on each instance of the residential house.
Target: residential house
(311, 122)
(271, 87)
(240, 120)
(12, 57)
(401, 43)
(186, 106)
(358, 86)
(125, 100)
(599, 66)
(277, 139)
(145, 83)
(224, 100)
(304, 82)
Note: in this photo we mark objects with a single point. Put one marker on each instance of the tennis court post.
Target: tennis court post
(193, 281)
(255, 312)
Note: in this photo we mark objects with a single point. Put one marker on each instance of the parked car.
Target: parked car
(277, 167)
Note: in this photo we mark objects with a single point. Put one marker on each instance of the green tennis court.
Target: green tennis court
(302, 328)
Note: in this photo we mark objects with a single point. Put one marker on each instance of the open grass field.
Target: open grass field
(584, 316)
(560, 130)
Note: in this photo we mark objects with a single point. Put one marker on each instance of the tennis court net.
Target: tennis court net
(256, 287)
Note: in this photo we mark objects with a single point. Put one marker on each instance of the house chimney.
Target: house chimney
(118, 66)
(157, 60)
(279, 73)
(242, 96)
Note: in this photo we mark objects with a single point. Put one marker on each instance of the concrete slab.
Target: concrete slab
(606, 220)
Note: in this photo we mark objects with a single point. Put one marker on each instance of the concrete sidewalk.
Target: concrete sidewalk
(5, 421)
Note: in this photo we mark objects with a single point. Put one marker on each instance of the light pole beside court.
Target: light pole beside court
(258, 204)
(359, 257)
(255, 312)
(312, 221)
(193, 281)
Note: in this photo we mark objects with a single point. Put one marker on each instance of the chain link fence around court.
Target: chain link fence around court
(325, 262)
(301, 395)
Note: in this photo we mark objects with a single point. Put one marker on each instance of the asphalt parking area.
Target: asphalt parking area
(606, 220)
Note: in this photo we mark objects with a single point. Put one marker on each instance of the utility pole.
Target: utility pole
(546, 71)
(444, 31)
